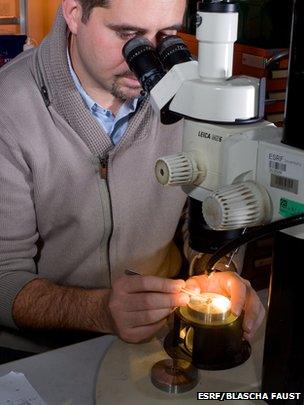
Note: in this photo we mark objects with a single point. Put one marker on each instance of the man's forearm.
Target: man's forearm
(44, 305)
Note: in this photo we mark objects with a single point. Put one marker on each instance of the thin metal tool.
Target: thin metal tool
(131, 273)
(184, 290)
(234, 252)
(191, 293)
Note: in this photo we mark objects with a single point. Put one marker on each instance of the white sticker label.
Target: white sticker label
(286, 171)
(287, 166)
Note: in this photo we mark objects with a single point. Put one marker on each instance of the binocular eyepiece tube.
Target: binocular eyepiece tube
(142, 60)
(172, 50)
(150, 64)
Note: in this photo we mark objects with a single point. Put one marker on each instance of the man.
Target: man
(79, 203)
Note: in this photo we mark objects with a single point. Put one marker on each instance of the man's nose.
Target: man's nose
(152, 38)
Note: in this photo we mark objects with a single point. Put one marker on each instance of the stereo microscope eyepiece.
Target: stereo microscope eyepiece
(172, 50)
(143, 61)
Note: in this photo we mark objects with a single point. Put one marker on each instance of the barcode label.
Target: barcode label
(277, 166)
(284, 183)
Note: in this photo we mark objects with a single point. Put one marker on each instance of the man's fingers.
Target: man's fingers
(134, 284)
(193, 284)
(140, 304)
(144, 318)
(200, 282)
(141, 333)
(238, 292)
(254, 314)
(146, 301)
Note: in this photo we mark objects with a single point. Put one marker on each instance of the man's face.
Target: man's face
(97, 44)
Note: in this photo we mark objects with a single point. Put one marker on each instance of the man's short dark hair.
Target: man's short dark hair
(88, 5)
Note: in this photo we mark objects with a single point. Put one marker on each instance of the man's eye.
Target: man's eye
(167, 33)
(126, 35)
(163, 34)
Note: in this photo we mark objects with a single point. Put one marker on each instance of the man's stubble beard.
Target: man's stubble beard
(118, 92)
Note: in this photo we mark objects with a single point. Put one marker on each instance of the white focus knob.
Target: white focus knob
(176, 170)
(237, 206)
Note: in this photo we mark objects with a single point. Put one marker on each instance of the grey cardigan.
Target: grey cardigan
(58, 219)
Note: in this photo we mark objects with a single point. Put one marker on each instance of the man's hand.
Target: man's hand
(135, 308)
(139, 305)
(240, 292)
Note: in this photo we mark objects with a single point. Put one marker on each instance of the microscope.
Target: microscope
(244, 178)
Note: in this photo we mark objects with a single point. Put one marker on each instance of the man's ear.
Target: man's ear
(72, 13)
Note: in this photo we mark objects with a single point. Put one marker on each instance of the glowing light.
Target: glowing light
(222, 303)
(211, 303)
(210, 307)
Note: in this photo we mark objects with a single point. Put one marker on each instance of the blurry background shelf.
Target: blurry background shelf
(9, 20)
(20, 20)
(191, 42)
(40, 17)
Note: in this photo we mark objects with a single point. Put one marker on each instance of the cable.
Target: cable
(253, 235)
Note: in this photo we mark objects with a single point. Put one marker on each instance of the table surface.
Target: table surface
(64, 376)
(128, 367)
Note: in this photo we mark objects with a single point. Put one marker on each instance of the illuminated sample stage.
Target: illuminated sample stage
(208, 334)
(124, 375)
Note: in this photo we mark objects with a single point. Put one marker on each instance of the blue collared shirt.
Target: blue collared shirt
(114, 126)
